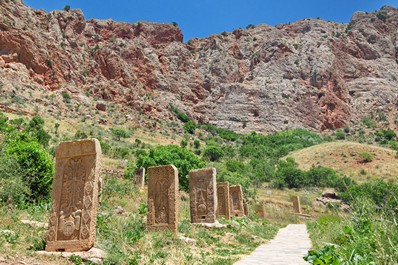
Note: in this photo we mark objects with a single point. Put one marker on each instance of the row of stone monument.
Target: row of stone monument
(208, 199)
(77, 185)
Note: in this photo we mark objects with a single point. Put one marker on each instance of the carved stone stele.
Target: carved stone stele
(246, 209)
(139, 177)
(75, 196)
(203, 195)
(223, 200)
(260, 210)
(236, 201)
(296, 204)
(163, 198)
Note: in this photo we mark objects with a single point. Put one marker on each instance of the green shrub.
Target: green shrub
(339, 134)
(196, 144)
(35, 164)
(66, 97)
(67, 8)
(120, 133)
(368, 122)
(190, 127)
(213, 153)
(365, 157)
(179, 114)
(382, 15)
(183, 159)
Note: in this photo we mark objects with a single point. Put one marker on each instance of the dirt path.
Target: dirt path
(288, 248)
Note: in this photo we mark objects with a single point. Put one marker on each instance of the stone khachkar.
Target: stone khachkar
(246, 209)
(163, 198)
(296, 204)
(75, 196)
(259, 208)
(236, 201)
(223, 209)
(139, 177)
(203, 195)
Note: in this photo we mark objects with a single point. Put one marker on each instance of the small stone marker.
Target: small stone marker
(162, 198)
(223, 200)
(236, 201)
(246, 209)
(75, 196)
(260, 210)
(203, 195)
(296, 204)
(139, 177)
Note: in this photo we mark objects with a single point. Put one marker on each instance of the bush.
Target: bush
(368, 122)
(66, 97)
(67, 8)
(190, 127)
(183, 159)
(180, 115)
(365, 157)
(339, 134)
(213, 153)
(120, 133)
(35, 164)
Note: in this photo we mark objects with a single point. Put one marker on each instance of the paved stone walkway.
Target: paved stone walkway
(288, 248)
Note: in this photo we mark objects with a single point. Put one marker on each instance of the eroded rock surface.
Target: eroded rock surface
(311, 73)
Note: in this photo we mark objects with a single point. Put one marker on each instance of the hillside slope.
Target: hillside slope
(311, 73)
(345, 157)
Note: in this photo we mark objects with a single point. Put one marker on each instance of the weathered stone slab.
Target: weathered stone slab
(260, 209)
(223, 208)
(75, 196)
(296, 204)
(139, 177)
(236, 201)
(162, 198)
(203, 195)
(246, 209)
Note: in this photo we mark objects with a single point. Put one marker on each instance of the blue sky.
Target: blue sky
(205, 17)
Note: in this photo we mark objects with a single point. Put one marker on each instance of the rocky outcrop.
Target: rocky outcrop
(312, 73)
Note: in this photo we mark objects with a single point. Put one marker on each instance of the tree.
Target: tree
(183, 159)
(213, 152)
(35, 164)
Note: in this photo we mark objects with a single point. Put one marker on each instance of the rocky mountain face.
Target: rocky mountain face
(312, 73)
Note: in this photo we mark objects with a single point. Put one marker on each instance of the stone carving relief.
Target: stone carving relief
(75, 196)
(223, 209)
(162, 198)
(236, 197)
(203, 197)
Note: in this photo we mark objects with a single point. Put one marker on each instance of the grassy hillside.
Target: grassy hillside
(347, 158)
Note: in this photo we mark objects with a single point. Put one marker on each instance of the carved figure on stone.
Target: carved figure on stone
(139, 177)
(162, 198)
(236, 197)
(203, 197)
(223, 199)
(75, 196)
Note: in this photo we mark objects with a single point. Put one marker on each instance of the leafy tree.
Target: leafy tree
(36, 130)
(67, 8)
(190, 127)
(35, 164)
(183, 159)
(213, 153)
(288, 171)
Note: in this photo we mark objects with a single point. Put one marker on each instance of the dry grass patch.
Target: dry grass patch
(347, 159)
